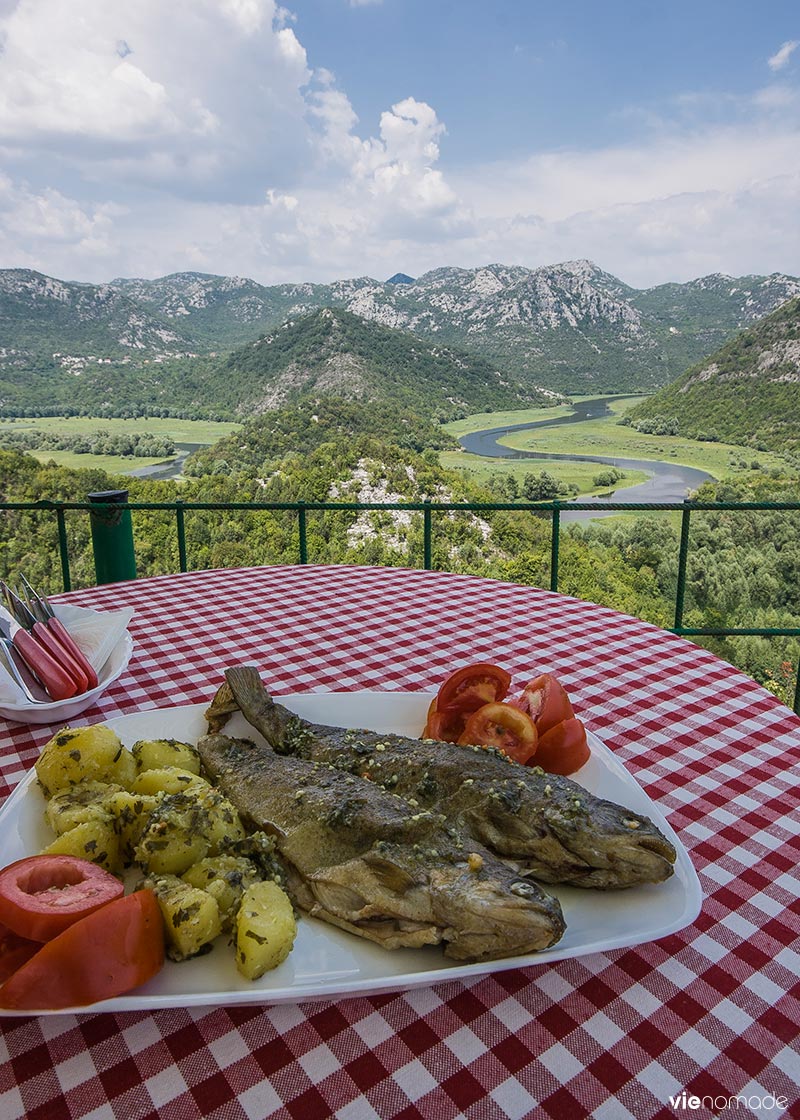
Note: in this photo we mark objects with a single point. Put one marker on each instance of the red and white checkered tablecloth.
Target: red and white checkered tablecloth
(711, 1012)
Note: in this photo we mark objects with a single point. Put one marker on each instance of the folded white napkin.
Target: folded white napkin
(96, 633)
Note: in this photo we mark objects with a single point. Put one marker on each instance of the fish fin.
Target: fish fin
(390, 934)
(256, 704)
(222, 707)
(388, 874)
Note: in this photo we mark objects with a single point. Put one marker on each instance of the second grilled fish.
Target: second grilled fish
(559, 831)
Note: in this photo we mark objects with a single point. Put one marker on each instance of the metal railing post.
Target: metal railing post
(555, 533)
(63, 548)
(427, 548)
(181, 530)
(683, 555)
(112, 536)
(301, 530)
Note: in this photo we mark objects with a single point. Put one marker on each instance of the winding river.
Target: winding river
(170, 468)
(667, 482)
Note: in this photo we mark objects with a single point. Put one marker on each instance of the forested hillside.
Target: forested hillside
(743, 567)
(748, 392)
(140, 346)
(334, 353)
(289, 432)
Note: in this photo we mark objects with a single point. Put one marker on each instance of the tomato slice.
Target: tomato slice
(446, 726)
(504, 727)
(546, 702)
(473, 686)
(112, 950)
(14, 951)
(41, 895)
(564, 748)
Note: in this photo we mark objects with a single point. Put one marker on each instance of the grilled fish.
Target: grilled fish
(553, 827)
(365, 860)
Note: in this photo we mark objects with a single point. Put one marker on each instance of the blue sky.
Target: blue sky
(511, 75)
(325, 139)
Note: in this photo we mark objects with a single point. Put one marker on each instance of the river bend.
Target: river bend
(667, 482)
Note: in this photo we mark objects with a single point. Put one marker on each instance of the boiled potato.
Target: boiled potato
(174, 836)
(84, 754)
(165, 779)
(155, 754)
(95, 840)
(225, 828)
(265, 929)
(184, 828)
(191, 916)
(130, 812)
(80, 803)
(225, 878)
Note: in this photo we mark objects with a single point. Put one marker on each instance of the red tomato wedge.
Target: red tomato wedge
(504, 727)
(564, 748)
(545, 701)
(114, 949)
(41, 895)
(14, 951)
(445, 726)
(473, 686)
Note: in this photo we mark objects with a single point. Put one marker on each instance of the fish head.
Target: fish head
(480, 908)
(489, 911)
(612, 840)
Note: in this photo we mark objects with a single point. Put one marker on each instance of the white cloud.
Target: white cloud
(144, 139)
(781, 57)
(394, 172)
(33, 224)
(192, 96)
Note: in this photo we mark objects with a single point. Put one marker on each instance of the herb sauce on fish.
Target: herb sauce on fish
(555, 828)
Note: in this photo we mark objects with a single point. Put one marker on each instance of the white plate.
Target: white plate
(327, 962)
(60, 712)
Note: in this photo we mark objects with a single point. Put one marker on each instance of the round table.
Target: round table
(709, 1012)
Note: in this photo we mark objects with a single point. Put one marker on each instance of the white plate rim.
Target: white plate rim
(259, 993)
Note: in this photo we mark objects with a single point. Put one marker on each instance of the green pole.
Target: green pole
(683, 556)
(112, 536)
(427, 541)
(555, 534)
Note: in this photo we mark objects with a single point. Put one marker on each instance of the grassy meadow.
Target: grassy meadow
(482, 468)
(202, 432)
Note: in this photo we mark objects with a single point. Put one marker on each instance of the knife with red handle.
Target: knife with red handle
(24, 616)
(47, 617)
(47, 638)
(55, 678)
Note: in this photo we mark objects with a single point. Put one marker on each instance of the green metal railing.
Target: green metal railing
(112, 536)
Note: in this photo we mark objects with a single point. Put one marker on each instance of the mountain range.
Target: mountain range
(568, 327)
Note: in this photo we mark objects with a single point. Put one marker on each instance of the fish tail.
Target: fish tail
(246, 684)
(255, 703)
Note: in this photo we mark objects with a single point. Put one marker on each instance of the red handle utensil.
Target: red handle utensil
(57, 681)
(78, 660)
(57, 670)
(47, 638)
